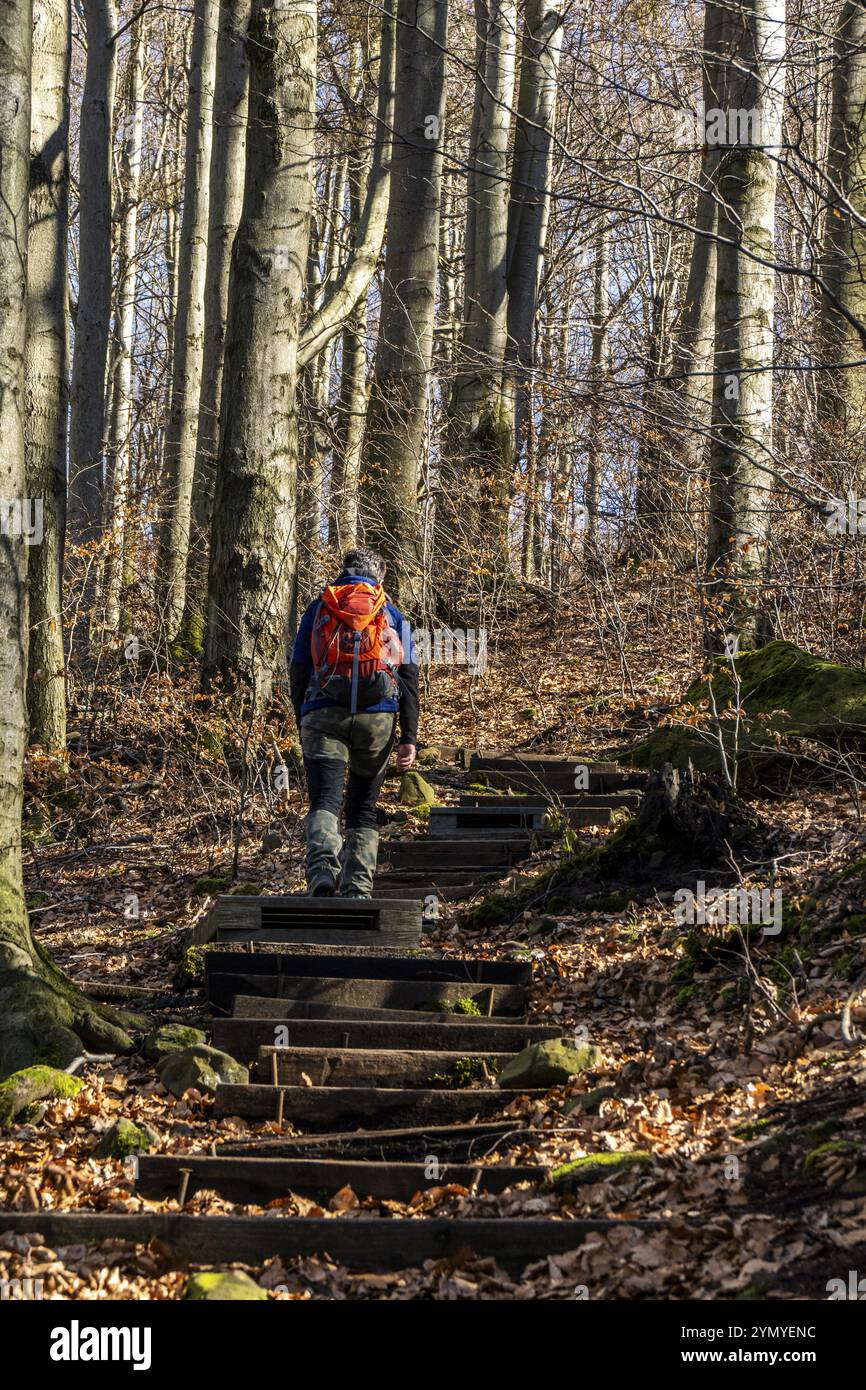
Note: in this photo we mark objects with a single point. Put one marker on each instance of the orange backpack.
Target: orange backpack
(355, 649)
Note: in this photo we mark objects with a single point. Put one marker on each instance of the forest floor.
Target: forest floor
(724, 1062)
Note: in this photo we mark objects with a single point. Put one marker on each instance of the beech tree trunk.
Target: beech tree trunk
(842, 391)
(120, 426)
(481, 439)
(93, 316)
(252, 560)
(397, 413)
(42, 1016)
(47, 366)
(189, 320)
(752, 76)
(225, 202)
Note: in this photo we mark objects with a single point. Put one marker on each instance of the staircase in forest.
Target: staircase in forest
(381, 1056)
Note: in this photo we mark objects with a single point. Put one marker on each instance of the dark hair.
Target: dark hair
(366, 562)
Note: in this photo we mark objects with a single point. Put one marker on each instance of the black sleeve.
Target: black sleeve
(410, 703)
(299, 678)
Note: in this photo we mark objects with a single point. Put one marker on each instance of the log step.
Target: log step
(451, 1143)
(364, 1243)
(251, 1006)
(375, 1066)
(314, 965)
(242, 1038)
(333, 921)
(458, 853)
(326, 1107)
(259, 1180)
(474, 820)
(427, 996)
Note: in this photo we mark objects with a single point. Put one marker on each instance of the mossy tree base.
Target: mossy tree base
(44, 1017)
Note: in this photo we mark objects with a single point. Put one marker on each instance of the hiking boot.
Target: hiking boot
(322, 885)
(322, 830)
(360, 852)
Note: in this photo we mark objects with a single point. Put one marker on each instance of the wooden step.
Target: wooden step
(250, 1006)
(397, 994)
(556, 782)
(461, 853)
(259, 1180)
(242, 1038)
(447, 821)
(476, 820)
(362, 1243)
(326, 1107)
(366, 966)
(450, 1143)
(590, 801)
(374, 1066)
(332, 921)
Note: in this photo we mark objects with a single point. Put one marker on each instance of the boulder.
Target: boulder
(125, 1138)
(786, 695)
(224, 1286)
(24, 1088)
(203, 1068)
(595, 1168)
(415, 791)
(171, 1037)
(547, 1064)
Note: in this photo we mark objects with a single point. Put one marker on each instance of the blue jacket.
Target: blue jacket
(301, 669)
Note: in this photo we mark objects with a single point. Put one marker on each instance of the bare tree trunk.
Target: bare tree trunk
(47, 365)
(231, 97)
(117, 473)
(752, 79)
(481, 452)
(529, 210)
(353, 282)
(189, 322)
(93, 317)
(842, 392)
(599, 361)
(252, 561)
(397, 415)
(42, 1016)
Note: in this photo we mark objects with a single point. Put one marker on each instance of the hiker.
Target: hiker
(353, 681)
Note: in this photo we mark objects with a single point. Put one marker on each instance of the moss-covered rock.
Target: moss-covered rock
(124, 1139)
(24, 1088)
(171, 1037)
(223, 1286)
(595, 1168)
(785, 694)
(547, 1064)
(415, 791)
(203, 1068)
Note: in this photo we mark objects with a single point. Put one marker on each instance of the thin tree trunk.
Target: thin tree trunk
(93, 317)
(753, 73)
(47, 365)
(529, 211)
(225, 202)
(599, 361)
(252, 560)
(397, 414)
(842, 392)
(117, 479)
(189, 322)
(353, 282)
